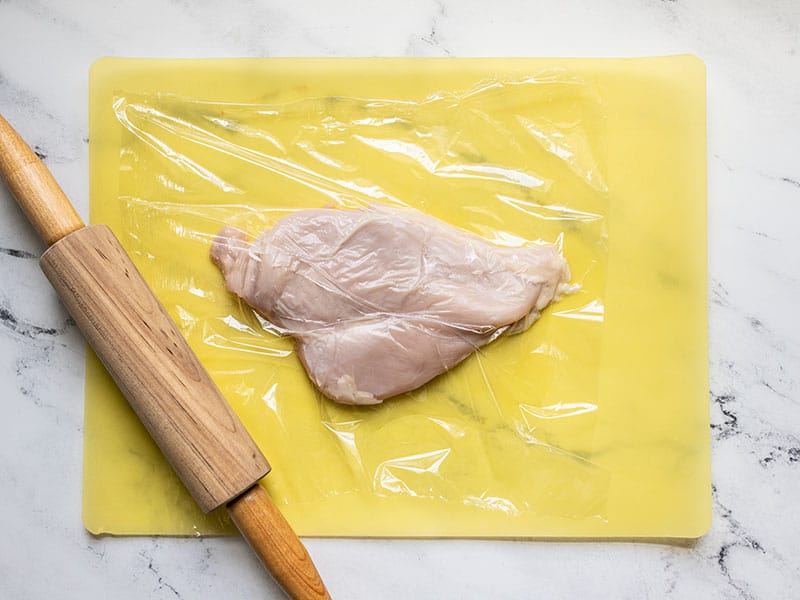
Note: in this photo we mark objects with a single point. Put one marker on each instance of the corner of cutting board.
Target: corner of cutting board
(91, 527)
(700, 529)
(696, 62)
(100, 66)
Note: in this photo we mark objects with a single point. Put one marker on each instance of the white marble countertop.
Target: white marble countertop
(752, 51)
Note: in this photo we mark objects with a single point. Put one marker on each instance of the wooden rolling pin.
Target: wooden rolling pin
(155, 368)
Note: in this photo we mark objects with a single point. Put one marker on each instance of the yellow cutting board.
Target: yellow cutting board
(593, 423)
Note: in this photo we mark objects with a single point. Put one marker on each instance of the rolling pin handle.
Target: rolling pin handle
(35, 189)
(276, 545)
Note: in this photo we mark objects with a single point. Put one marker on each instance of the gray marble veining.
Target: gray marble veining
(753, 55)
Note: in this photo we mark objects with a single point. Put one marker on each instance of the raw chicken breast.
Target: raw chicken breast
(382, 300)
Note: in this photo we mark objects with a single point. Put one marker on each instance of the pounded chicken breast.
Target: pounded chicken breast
(382, 300)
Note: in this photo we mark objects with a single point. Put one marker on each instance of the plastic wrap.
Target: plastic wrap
(505, 436)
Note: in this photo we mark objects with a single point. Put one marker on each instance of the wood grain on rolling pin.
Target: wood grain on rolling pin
(154, 367)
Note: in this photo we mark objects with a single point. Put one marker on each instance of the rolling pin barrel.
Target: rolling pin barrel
(153, 366)
(134, 337)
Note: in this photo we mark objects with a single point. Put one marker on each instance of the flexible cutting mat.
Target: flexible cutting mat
(594, 423)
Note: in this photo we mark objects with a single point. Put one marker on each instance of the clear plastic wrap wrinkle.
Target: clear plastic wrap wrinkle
(517, 163)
